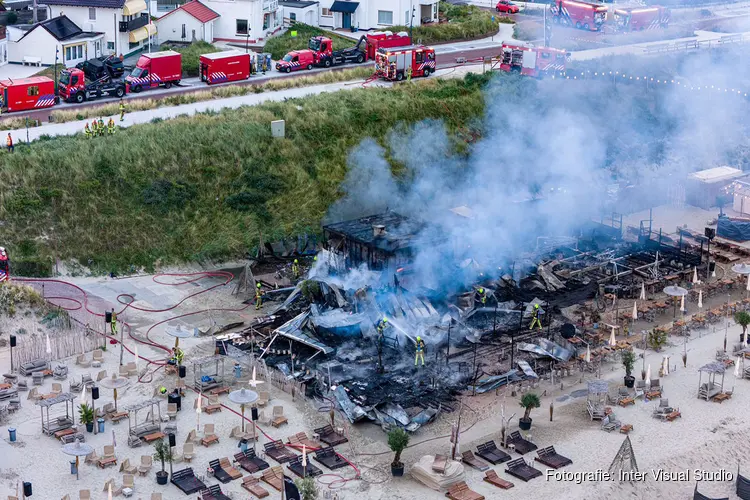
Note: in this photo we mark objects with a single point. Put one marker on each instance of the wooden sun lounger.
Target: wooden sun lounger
(300, 439)
(229, 468)
(329, 436)
(213, 493)
(277, 451)
(328, 457)
(491, 477)
(219, 473)
(250, 462)
(469, 459)
(522, 446)
(295, 465)
(491, 453)
(274, 477)
(461, 491)
(186, 481)
(549, 457)
(520, 469)
(252, 484)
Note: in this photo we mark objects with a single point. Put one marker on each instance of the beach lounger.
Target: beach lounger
(439, 464)
(491, 453)
(274, 477)
(520, 469)
(461, 491)
(491, 477)
(522, 446)
(251, 462)
(252, 484)
(328, 457)
(186, 481)
(329, 436)
(468, 458)
(549, 457)
(277, 451)
(219, 473)
(698, 496)
(311, 470)
(227, 467)
(300, 439)
(214, 493)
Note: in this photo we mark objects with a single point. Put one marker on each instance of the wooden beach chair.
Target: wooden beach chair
(252, 484)
(491, 477)
(469, 459)
(461, 491)
(520, 469)
(274, 477)
(549, 457)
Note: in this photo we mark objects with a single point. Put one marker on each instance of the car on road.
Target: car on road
(506, 7)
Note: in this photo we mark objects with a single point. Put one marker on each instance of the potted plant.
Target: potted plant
(163, 453)
(742, 318)
(308, 490)
(398, 440)
(529, 401)
(628, 360)
(86, 414)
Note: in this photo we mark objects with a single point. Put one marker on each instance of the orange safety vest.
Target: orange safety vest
(9, 140)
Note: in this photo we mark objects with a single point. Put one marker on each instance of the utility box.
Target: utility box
(278, 128)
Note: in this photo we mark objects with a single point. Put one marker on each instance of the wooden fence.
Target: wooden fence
(67, 338)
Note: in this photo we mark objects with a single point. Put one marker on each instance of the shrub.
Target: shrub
(657, 338)
(398, 440)
(12, 18)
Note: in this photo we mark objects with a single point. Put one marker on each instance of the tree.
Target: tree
(163, 453)
(86, 414)
(628, 360)
(12, 18)
(742, 318)
(657, 338)
(529, 401)
(398, 440)
(307, 488)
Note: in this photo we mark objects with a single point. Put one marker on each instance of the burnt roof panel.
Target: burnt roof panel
(399, 230)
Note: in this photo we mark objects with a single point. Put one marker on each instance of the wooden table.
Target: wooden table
(64, 432)
(116, 417)
(626, 401)
(653, 394)
(219, 390)
(672, 416)
(212, 409)
(5, 386)
(720, 398)
(104, 462)
(153, 436)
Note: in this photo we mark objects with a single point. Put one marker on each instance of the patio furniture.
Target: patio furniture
(549, 457)
(213, 493)
(126, 468)
(227, 466)
(264, 398)
(310, 470)
(219, 473)
(328, 457)
(82, 361)
(172, 410)
(329, 436)
(278, 417)
(468, 458)
(610, 423)
(522, 446)
(491, 453)
(188, 451)
(491, 477)
(274, 477)
(37, 365)
(186, 481)
(520, 469)
(250, 462)
(461, 491)
(209, 435)
(147, 462)
(252, 485)
(108, 458)
(301, 439)
(277, 451)
(59, 422)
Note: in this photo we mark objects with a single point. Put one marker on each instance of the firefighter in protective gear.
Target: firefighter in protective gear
(9, 143)
(482, 296)
(113, 324)
(535, 318)
(111, 127)
(420, 351)
(122, 110)
(177, 355)
(100, 126)
(408, 74)
(382, 325)
(258, 297)
(295, 269)
(87, 130)
(392, 71)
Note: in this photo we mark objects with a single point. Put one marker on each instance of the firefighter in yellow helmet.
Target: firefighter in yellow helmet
(113, 324)
(258, 297)
(87, 131)
(111, 127)
(382, 325)
(122, 110)
(482, 296)
(295, 269)
(100, 127)
(535, 318)
(420, 351)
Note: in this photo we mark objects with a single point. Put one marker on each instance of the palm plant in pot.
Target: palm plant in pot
(529, 401)
(398, 440)
(163, 453)
(628, 360)
(86, 414)
(742, 318)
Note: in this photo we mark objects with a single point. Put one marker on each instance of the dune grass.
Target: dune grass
(458, 22)
(205, 187)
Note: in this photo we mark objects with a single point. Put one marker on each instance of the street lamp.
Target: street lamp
(57, 53)
(411, 22)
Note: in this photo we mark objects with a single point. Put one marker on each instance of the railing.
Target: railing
(270, 5)
(134, 24)
(694, 44)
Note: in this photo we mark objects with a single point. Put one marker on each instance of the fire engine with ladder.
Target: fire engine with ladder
(4, 265)
(529, 60)
(398, 63)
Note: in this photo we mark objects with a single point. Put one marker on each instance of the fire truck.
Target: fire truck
(394, 63)
(641, 18)
(26, 94)
(73, 87)
(4, 265)
(320, 51)
(526, 59)
(583, 15)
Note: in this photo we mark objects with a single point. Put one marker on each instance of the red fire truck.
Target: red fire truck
(155, 69)
(227, 66)
(394, 63)
(641, 18)
(583, 15)
(24, 94)
(73, 87)
(4, 265)
(529, 60)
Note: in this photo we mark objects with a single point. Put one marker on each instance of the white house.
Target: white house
(301, 10)
(125, 23)
(189, 22)
(377, 14)
(246, 21)
(57, 40)
(3, 46)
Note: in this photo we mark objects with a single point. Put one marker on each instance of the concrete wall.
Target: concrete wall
(308, 15)
(225, 27)
(169, 28)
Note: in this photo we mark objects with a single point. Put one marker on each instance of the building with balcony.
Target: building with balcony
(124, 23)
(376, 14)
(245, 21)
(189, 22)
(57, 40)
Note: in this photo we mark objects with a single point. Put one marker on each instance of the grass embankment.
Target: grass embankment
(279, 46)
(457, 22)
(191, 55)
(205, 187)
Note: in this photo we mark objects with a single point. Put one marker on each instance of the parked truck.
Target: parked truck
(589, 16)
(226, 66)
(641, 18)
(397, 63)
(320, 51)
(155, 69)
(26, 94)
(74, 87)
(529, 60)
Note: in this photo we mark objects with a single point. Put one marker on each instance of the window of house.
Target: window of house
(242, 26)
(68, 54)
(92, 14)
(33, 90)
(292, 16)
(406, 18)
(325, 12)
(385, 17)
(435, 10)
(110, 45)
(265, 21)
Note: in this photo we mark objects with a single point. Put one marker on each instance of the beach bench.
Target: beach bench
(295, 465)
(213, 493)
(250, 462)
(626, 401)
(65, 432)
(491, 453)
(549, 457)
(107, 461)
(329, 436)
(721, 397)
(219, 473)
(252, 485)
(277, 451)
(38, 365)
(491, 477)
(117, 416)
(219, 390)
(328, 457)
(300, 439)
(673, 415)
(274, 477)
(520, 469)
(186, 481)
(461, 491)
(149, 438)
(522, 446)
(699, 496)
(469, 459)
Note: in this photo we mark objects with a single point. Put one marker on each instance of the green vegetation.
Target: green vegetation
(12, 295)
(398, 440)
(86, 413)
(742, 318)
(657, 338)
(279, 46)
(205, 187)
(191, 55)
(628, 360)
(457, 22)
(529, 401)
